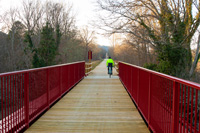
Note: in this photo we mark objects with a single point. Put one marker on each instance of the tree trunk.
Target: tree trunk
(194, 64)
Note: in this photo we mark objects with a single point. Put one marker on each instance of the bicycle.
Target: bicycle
(109, 71)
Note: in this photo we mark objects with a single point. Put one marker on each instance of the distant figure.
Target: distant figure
(106, 55)
(110, 63)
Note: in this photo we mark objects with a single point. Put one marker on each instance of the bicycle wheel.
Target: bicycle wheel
(109, 72)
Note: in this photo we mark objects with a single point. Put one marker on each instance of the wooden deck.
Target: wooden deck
(96, 104)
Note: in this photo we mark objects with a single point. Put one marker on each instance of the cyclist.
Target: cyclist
(110, 63)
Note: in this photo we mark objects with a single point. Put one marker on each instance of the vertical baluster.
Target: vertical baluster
(175, 107)
(191, 110)
(181, 108)
(138, 87)
(8, 104)
(5, 101)
(149, 99)
(48, 92)
(18, 111)
(188, 103)
(2, 111)
(198, 114)
(196, 104)
(60, 79)
(14, 97)
(26, 98)
(22, 99)
(19, 98)
(169, 99)
(184, 110)
(164, 102)
(12, 105)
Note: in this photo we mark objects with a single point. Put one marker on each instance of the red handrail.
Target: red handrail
(167, 103)
(26, 94)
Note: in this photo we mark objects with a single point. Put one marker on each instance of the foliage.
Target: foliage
(47, 50)
(58, 35)
(45, 54)
(171, 59)
(14, 47)
(28, 40)
(151, 66)
(168, 27)
(31, 42)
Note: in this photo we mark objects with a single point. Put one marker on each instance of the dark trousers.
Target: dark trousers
(110, 65)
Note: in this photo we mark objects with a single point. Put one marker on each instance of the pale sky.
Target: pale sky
(86, 14)
(85, 10)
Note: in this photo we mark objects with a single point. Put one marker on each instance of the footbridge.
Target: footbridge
(63, 99)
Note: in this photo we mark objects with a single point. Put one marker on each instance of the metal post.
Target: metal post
(60, 80)
(138, 87)
(26, 100)
(175, 107)
(85, 71)
(131, 82)
(48, 92)
(2, 110)
(149, 100)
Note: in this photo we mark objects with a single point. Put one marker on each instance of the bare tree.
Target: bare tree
(87, 37)
(9, 20)
(14, 46)
(197, 55)
(32, 13)
(23, 26)
(167, 23)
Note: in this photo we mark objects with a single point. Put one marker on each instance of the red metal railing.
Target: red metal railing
(26, 94)
(168, 104)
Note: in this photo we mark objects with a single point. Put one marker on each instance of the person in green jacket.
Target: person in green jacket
(110, 63)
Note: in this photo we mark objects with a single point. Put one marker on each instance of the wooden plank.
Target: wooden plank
(94, 105)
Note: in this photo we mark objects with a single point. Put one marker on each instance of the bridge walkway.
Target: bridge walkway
(97, 104)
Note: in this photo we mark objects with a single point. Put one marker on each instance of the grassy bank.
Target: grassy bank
(96, 63)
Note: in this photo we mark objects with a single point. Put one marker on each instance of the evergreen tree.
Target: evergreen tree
(58, 35)
(173, 42)
(169, 26)
(45, 54)
(48, 49)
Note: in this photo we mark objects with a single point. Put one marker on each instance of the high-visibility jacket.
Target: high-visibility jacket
(110, 61)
